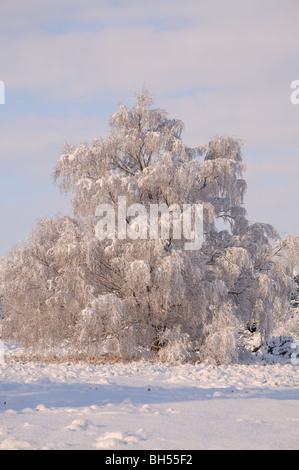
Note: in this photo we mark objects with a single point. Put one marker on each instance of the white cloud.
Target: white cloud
(35, 142)
(231, 47)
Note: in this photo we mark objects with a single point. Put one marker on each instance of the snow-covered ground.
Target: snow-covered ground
(149, 406)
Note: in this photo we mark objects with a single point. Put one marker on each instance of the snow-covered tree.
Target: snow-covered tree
(295, 295)
(143, 296)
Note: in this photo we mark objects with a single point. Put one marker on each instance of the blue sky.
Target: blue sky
(220, 67)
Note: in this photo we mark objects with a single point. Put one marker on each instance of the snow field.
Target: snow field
(149, 406)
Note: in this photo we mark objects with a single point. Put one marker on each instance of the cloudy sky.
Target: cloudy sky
(221, 66)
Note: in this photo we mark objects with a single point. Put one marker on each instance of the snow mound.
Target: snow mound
(143, 406)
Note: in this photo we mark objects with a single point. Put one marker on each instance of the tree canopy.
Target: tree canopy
(148, 297)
